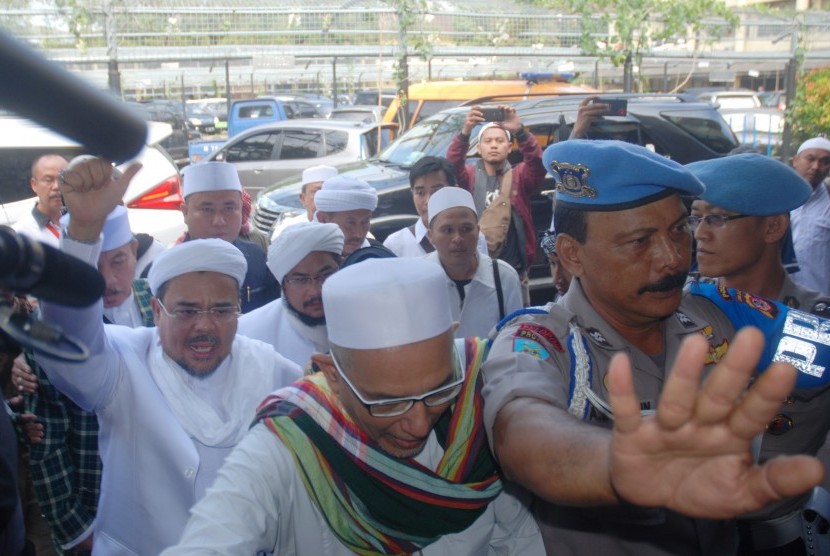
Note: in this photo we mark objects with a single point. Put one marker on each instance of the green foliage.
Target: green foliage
(809, 113)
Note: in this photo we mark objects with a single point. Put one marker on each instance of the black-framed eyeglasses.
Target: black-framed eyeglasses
(395, 407)
(305, 281)
(714, 221)
(191, 314)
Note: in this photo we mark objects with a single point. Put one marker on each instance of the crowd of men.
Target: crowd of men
(329, 395)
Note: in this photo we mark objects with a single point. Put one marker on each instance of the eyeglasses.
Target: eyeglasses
(190, 314)
(398, 406)
(714, 221)
(305, 281)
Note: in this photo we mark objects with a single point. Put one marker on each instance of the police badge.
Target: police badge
(571, 179)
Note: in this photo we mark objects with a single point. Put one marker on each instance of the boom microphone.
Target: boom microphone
(41, 90)
(29, 266)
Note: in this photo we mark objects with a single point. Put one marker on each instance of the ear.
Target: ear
(568, 250)
(154, 304)
(184, 208)
(322, 217)
(429, 234)
(775, 227)
(324, 364)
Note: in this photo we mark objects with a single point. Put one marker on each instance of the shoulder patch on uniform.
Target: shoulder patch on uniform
(539, 334)
(530, 347)
(684, 319)
(597, 337)
(760, 304)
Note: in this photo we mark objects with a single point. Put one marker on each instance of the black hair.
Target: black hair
(571, 221)
(428, 165)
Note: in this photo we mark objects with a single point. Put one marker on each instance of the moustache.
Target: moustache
(204, 338)
(313, 301)
(665, 284)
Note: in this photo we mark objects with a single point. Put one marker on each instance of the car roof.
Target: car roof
(21, 133)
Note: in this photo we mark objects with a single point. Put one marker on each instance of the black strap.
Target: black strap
(499, 293)
(425, 243)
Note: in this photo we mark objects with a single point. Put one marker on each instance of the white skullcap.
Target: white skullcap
(318, 173)
(210, 176)
(447, 198)
(213, 255)
(342, 193)
(383, 303)
(116, 229)
(815, 143)
(297, 241)
(485, 127)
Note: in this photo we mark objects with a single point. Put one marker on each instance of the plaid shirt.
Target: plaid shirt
(65, 466)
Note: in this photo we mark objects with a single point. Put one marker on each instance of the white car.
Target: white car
(153, 198)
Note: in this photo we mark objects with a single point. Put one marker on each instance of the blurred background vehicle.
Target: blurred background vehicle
(358, 113)
(755, 124)
(271, 152)
(675, 126)
(153, 198)
(176, 144)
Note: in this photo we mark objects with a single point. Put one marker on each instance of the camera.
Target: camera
(493, 114)
(617, 106)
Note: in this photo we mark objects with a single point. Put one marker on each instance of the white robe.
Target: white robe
(274, 324)
(259, 503)
(153, 470)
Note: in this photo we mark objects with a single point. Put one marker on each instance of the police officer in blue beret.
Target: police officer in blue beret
(623, 233)
(740, 223)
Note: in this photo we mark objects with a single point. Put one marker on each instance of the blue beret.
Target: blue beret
(614, 175)
(751, 184)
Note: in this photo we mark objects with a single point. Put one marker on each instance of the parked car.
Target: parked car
(176, 144)
(358, 113)
(673, 126)
(753, 122)
(216, 107)
(153, 198)
(268, 153)
(200, 120)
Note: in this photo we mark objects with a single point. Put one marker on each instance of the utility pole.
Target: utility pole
(110, 35)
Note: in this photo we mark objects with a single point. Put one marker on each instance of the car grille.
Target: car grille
(263, 219)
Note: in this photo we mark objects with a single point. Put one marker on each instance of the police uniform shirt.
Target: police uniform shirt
(531, 357)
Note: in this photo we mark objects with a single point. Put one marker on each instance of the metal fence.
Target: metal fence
(197, 46)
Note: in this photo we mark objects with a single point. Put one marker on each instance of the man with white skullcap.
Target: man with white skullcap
(312, 181)
(302, 257)
(171, 401)
(382, 450)
(811, 221)
(212, 207)
(65, 463)
(349, 203)
(482, 290)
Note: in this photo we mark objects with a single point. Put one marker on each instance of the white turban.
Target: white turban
(116, 231)
(497, 125)
(318, 173)
(342, 193)
(383, 303)
(213, 255)
(297, 241)
(210, 176)
(815, 143)
(447, 198)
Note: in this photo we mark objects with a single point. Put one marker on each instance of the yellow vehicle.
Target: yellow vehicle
(426, 99)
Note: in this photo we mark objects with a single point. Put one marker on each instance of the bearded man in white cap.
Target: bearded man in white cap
(65, 463)
(482, 290)
(381, 451)
(349, 203)
(302, 257)
(212, 208)
(811, 221)
(312, 181)
(171, 401)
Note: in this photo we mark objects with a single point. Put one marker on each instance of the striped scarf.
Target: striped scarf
(375, 503)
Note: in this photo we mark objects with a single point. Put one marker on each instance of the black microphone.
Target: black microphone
(41, 90)
(29, 266)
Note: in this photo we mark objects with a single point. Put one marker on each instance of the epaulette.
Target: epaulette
(519, 312)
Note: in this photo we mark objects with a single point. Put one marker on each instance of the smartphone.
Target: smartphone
(493, 114)
(617, 106)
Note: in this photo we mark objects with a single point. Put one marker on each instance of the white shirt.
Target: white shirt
(154, 471)
(811, 238)
(479, 311)
(274, 324)
(126, 314)
(404, 244)
(30, 228)
(259, 503)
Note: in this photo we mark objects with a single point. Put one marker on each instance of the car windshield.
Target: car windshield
(430, 137)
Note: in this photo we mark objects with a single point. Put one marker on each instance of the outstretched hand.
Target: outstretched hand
(694, 455)
(590, 111)
(91, 189)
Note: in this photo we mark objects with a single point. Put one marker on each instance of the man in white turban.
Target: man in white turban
(171, 401)
(810, 223)
(312, 181)
(302, 257)
(349, 203)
